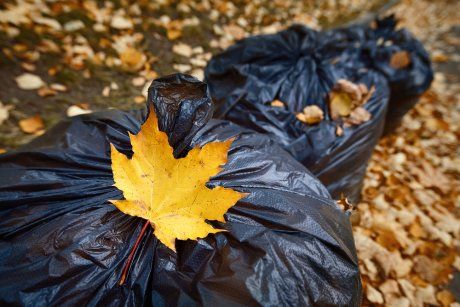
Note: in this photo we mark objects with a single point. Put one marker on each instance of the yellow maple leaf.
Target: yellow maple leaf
(171, 193)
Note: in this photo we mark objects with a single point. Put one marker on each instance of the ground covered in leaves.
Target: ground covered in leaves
(64, 58)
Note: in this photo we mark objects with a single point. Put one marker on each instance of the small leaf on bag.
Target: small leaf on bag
(277, 103)
(358, 116)
(400, 59)
(340, 104)
(313, 114)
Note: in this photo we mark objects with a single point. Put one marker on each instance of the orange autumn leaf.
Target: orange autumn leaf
(171, 193)
(32, 124)
(400, 60)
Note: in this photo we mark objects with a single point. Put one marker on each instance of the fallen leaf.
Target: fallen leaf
(390, 290)
(198, 73)
(138, 81)
(46, 92)
(426, 295)
(373, 295)
(429, 270)
(52, 23)
(121, 23)
(235, 31)
(440, 57)
(313, 114)
(174, 29)
(400, 59)
(28, 81)
(58, 87)
(358, 116)
(32, 125)
(183, 50)
(171, 193)
(277, 103)
(139, 99)
(445, 297)
(28, 66)
(4, 112)
(340, 105)
(338, 130)
(431, 177)
(77, 110)
(74, 25)
(182, 67)
(354, 90)
(132, 60)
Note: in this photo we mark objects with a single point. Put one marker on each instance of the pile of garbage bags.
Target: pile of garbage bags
(269, 84)
(305, 109)
(63, 242)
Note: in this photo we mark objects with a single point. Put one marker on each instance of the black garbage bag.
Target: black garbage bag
(397, 54)
(248, 76)
(63, 243)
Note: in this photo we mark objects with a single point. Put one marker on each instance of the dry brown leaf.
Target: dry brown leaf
(235, 31)
(139, 99)
(400, 59)
(390, 290)
(76, 110)
(367, 94)
(301, 117)
(183, 50)
(430, 270)
(28, 66)
(358, 116)
(277, 103)
(32, 124)
(431, 177)
(338, 130)
(174, 29)
(132, 60)
(373, 295)
(313, 114)
(121, 23)
(58, 87)
(440, 57)
(445, 298)
(340, 104)
(426, 295)
(416, 230)
(46, 92)
(354, 90)
(28, 81)
(4, 112)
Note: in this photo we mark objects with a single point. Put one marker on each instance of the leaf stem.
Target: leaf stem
(128, 262)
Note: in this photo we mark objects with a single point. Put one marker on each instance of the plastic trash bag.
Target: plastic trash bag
(248, 76)
(63, 243)
(378, 47)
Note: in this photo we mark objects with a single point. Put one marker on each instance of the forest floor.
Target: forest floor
(65, 58)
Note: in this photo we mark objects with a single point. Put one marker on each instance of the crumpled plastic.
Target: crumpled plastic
(62, 243)
(299, 66)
